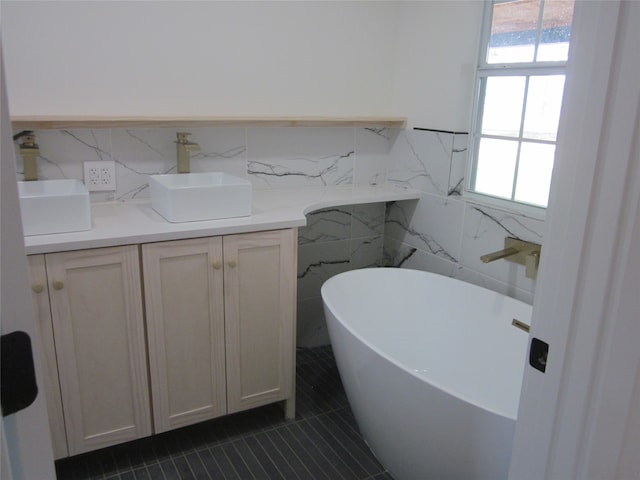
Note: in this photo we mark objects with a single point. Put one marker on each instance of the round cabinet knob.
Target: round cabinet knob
(232, 263)
(58, 285)
(217, 265)
(37, 288)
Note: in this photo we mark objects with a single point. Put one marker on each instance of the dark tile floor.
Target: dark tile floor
(323, 441)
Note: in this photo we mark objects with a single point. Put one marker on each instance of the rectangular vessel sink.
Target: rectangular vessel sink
(191, 197)
(54, 206)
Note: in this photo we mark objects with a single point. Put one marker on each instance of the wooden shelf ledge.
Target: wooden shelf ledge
(74, 122)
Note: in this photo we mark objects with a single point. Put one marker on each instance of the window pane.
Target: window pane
(496, 167)
(534, 173)
(519, 102)
(514, 28)
(556, 31)
(544, 100)
(504, 97)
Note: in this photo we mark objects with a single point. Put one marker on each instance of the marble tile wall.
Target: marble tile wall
(335, 240)
(444, 232)
(267, 156)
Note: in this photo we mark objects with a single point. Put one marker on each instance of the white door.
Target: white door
(581, 418)
(27, 453)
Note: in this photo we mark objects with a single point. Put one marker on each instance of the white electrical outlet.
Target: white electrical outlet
(100, 176)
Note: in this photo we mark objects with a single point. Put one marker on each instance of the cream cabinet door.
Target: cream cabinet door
(185, 327)
(96, 307)
(46, 347)
(260, 302)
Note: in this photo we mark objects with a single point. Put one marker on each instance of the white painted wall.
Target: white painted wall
(411, 59)
(435, 59)
(199, 58)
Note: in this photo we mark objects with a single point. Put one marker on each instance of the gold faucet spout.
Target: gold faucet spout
(504, 253)
(184, 148)
(518, 251)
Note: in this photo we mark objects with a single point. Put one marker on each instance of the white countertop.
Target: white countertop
(134, 221)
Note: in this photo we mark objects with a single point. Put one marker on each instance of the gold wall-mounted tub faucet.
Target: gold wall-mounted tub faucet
(184, 148)
(518, 251)
(29, 151)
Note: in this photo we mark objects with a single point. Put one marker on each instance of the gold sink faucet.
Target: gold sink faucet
(185, 147)
(29, 151)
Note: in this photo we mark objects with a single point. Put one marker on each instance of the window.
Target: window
(520, 83)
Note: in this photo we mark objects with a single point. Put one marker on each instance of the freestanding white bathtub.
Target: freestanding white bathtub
(432, 368)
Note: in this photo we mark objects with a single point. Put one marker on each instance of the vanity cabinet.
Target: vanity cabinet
(220, 317)
(94, 318)
(220, 331)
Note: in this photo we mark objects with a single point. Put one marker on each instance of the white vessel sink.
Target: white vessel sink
(191, 197)
(54, 206)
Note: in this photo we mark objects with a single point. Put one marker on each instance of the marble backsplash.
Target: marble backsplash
(267, 156)
(443, 232)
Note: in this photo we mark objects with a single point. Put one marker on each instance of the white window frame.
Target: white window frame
(485, 70)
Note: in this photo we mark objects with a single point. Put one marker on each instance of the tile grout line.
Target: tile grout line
(314, 459)
(283, 454)
(199, 453)
(266, 454)
(195, 475)
(324, 455)
(346, 451)
(346, 448)
(234, 465)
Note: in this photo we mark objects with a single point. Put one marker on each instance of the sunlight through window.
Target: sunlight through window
(520, 84)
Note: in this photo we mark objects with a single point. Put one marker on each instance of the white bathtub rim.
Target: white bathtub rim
(404, 368)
